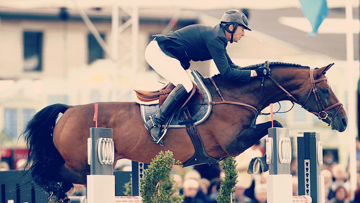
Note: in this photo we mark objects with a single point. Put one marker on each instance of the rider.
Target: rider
(170, 55)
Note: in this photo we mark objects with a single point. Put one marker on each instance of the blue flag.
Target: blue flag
(315, 11)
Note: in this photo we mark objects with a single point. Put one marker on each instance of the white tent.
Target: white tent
(185, 4)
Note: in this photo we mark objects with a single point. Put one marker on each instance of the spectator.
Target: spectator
(329, 159)
(178, 181)
(327, 183)
(21, 164)
(4, 166)
(190, 189)
(240, 197)
(357, 195)
(294, 166)
(260, 194)
(213, 191)
(242, 164)
(340, 175)
(193, 175)
(204, 185)
(209, 171)
(340, 195)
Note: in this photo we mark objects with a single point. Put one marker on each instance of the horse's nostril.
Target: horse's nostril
(344, 122)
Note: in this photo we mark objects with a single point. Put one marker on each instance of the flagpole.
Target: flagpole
(353, 75)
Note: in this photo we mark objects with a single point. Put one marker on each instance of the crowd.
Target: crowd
(202, 183)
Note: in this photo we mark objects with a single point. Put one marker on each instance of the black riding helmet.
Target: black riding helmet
(234, 17)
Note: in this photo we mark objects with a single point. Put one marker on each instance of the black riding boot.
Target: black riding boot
(171, 104)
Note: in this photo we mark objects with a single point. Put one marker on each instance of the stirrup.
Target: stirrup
(159, 141)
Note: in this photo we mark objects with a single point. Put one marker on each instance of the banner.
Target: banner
(315, 11)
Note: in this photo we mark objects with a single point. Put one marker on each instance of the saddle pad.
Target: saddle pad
(199, 117)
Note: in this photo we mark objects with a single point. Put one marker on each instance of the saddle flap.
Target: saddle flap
(148, 96)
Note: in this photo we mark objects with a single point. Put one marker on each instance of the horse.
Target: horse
(59, 146)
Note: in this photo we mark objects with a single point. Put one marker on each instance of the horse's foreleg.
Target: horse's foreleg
(248, 137)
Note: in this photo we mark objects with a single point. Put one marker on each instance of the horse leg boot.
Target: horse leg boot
(171, 104)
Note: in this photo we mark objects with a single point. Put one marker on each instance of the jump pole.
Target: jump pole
(101, 181)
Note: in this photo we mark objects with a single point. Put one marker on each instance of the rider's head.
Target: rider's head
(232, 19)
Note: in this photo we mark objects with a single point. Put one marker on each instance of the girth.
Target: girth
(200, 156)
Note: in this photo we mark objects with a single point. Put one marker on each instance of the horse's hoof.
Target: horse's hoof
(70, 192)
(65, 200)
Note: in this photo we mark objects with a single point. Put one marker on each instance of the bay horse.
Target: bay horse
(59, 149)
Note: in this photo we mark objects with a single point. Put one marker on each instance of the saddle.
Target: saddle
(150, 102)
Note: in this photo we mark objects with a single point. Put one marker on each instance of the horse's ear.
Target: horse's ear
(323, 70)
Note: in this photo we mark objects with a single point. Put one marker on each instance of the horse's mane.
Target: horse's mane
(271, 66)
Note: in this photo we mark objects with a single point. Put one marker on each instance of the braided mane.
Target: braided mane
(282, 64)
(271, 65)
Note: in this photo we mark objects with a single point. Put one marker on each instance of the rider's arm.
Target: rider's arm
(226, 68)
(232, 65)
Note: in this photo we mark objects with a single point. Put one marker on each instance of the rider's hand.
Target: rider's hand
(263, 72)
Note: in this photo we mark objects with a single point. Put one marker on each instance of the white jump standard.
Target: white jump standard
(278, 156)
(101, 181)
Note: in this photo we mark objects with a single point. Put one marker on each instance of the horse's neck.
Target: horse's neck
(290, 79)
(249, 93)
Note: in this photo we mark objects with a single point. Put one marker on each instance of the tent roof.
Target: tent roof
(185, 4)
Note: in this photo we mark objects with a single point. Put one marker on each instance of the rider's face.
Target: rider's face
(240, 32)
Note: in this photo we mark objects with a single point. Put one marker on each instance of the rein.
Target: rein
(223, 101)
(322, 114)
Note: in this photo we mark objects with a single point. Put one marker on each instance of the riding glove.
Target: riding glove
(263, 72)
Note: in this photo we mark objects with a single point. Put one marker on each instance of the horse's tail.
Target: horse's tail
(43, 156)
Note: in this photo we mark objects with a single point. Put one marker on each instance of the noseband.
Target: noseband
(322, 114)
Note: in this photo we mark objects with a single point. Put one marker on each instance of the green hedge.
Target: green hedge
(227, 187)
(157, 184)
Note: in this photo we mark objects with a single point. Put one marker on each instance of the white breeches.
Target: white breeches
(166, 66)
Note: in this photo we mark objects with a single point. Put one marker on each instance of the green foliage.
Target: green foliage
(157, 186)
(127, 187)
(227, 187)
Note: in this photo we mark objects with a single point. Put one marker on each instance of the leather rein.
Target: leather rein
(322, 114)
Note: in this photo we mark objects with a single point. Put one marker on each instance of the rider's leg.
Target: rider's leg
(171, 69)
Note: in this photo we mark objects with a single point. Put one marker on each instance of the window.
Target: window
(10, 122)
(33, 51)
(95, 50)
(27, 116)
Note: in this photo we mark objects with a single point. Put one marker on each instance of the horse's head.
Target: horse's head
(318, 98)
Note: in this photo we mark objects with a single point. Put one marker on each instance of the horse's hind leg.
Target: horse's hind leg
(68, 177)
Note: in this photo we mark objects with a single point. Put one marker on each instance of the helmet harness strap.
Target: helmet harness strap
(231, 32)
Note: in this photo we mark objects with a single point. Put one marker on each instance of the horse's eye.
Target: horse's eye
(325, 90)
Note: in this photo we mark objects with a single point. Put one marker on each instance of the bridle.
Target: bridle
(322, 114)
